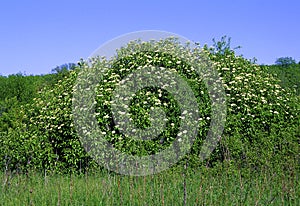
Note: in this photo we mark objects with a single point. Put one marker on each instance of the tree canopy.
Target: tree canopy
(285, 61)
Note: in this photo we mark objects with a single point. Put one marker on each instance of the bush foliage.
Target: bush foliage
(262, 124)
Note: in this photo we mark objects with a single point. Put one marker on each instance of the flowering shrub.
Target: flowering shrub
(171, 125)
(261, 124)
(260, 111)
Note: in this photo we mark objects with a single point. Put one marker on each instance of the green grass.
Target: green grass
(222, 186)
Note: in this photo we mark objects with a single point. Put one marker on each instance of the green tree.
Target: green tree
(64, 68)
(285, 61)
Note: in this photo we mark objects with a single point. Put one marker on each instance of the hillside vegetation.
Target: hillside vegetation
(256, 162)
(262, 123)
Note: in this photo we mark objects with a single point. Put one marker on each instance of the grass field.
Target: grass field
(219, 186)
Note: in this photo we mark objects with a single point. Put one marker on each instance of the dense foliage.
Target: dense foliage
(262, 126)
(16, 90)
(263, 118)
(289, 76)
(285, 61)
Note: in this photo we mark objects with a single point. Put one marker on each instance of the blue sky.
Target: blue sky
(37, 36)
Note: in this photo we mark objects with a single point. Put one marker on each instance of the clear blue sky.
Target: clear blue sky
(37, 36)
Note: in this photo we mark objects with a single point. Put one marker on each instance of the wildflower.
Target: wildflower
(122, 113)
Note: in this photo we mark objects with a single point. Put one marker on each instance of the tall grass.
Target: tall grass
(206, 186)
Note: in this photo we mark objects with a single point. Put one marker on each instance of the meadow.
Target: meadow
(203, 187)
(256, 162)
